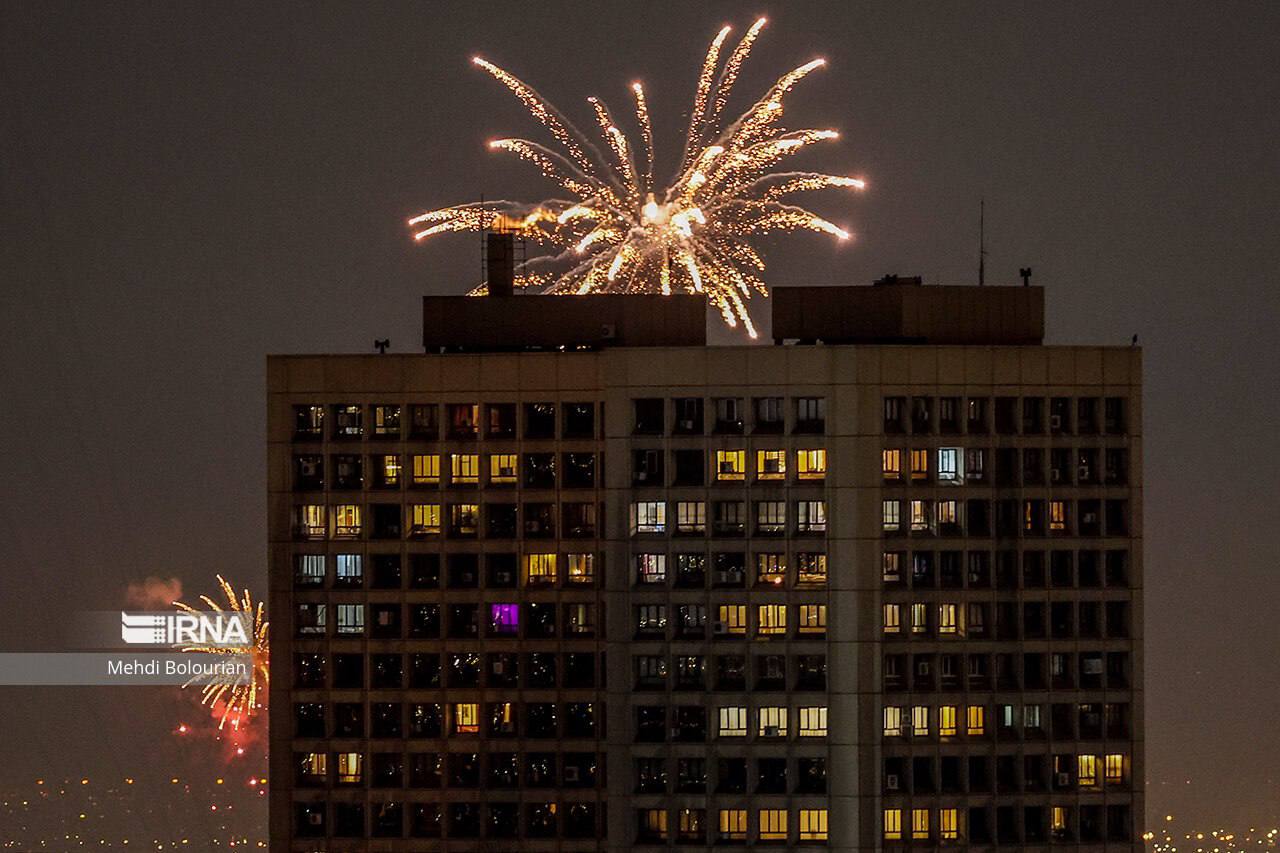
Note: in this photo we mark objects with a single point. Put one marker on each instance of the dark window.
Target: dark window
(308, 423)
(579, 471)
(769, 415)
(811, 415)
(688, 416)
(500, 420)
(539, 420)
(690, 468)
(424, 421)
(539, 470)
(579, 420)
(728, 415)
(649, 417)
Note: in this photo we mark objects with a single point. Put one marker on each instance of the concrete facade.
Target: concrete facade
(981, 621)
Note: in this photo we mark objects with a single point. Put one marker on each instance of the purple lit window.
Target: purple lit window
(505, 618)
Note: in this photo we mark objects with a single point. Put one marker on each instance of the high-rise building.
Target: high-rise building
(573, 580)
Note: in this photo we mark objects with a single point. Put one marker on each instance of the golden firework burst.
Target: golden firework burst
(239, 698)
(620, 233)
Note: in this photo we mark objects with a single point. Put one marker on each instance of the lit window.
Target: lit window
(731, 465)
(947, 721)
(891, 566)
(813, 721)
(424, 519)
(308, 570)
(464, 468)
(919, 465)
(462, 519)
(811, 464)
(891, 512)
(540, 569)
(653, 823)
(581, 568)
(1058, 516)
(505, 619)
(772, 620)
(811, 516)
(651, 568)
(651, 619)
(648, 517)
(733, 721)
(773, 824)
(771, 464)
(733, 824)
(503, 468)
(949, 465)
(891, 464)
(773, 722)
(348, 570)
(733, 617)
(892, 721)
(892, 618)
(771, 517)
(949, 823)
(947, 619)
(350, 619)
(386, 420)
(893, 824)
(1031, 717)
(426, 469)
(919, 823)
(919, 618)
(812, 618)
(314, 765)
(466, 718)
(691, 517)
(811, 569)
(977, 720)
(350, 768)
(947, 513)
(1087, 770)
(389, 465)
(771, 569)
(311, 521)
(346, 521)
(919, 720)
(1058, 820)
(1115, 769)
(813, 824)
(920, 521)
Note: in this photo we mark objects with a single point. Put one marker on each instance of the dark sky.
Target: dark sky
(189, 187)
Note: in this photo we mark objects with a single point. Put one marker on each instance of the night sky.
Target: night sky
(187, 188)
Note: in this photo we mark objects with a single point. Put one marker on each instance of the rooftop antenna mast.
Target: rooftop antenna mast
(982, 242)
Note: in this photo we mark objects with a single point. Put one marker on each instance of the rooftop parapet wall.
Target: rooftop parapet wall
(910, 313)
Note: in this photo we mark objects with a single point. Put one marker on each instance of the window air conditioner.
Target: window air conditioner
(308, 467)
(1092, 666)
(1084, 472)
(571, 774)
(1064, 780)
(720, 628)
(891, 782)
(686, 423)
(770, 731)
(1055, 422)
(315, 818)
(498, 667)
(1055, 475)
(641, 476)
(675, 732)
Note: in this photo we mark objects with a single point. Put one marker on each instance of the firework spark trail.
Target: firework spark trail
(620, 234)
(239, 698)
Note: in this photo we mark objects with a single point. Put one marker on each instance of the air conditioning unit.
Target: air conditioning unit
(891, 782)
(726, 467)
(675, 732)
(1055, 475)
(770, 731)
(608, 331)
(308, 467)
(1092, 666)
(1084, 472)
(1064, 780)
(315, 818)
(1055, 422)
(922, 667)
(507, 727)
(642, 476)
(572, 774)
(687, 424)
(906, 729)
(720, 628)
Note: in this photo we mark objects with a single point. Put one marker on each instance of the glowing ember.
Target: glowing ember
(238, 701)
(623, 234)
